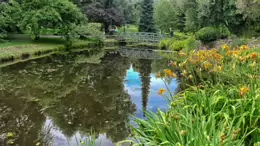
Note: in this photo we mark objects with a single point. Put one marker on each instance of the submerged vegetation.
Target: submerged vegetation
(219, 103)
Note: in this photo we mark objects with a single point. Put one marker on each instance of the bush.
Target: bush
(224, 32)
(208, 34)
(178, 45)
(164, 44)
(192, 43)
(179, 36)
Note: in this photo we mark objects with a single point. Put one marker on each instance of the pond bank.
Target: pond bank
(29, 51)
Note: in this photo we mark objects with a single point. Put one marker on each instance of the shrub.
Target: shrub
(192, 43)
(178, 45)
(179, 36)
(165, 44)
(224, 32)
(208, 34)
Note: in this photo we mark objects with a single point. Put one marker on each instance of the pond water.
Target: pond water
(66, 97)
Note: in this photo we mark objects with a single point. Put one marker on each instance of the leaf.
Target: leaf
(10, 135)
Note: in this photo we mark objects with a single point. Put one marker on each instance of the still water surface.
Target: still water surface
(63, 98)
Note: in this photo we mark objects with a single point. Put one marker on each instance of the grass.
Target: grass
(23, 47)
(219, 103)
(129, 28)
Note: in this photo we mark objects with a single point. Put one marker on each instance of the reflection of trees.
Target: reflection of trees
(76, 95)
(159, 65)
(20, 117)
(100, 104)
(145, 71)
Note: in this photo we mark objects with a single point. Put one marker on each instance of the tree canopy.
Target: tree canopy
(197, 14)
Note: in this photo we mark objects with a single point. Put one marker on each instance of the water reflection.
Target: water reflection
(68, 96)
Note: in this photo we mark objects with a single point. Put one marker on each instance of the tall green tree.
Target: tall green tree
(146, 23)
(165, 15)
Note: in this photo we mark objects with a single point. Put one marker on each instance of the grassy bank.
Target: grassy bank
(24, 48)
(219, 103)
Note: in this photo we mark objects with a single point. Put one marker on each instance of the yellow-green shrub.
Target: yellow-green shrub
(178, 45)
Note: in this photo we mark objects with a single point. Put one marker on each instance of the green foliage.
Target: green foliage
(180, 41)
(59, 14)
(224, 32)
(91, 30)
(219, 104)
(192, 15)
(178, 45)
(165, 15)
(208, 34)
(183, 127)
(146, 19)
(8, 14)
(129, 28)
(164, 44)
(236, 42)
(180, 36)
(2, 36)
(192, 43)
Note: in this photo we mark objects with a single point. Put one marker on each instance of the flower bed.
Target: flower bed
(220, 103)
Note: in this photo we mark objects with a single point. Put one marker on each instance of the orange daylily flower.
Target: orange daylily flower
(243, 91)
(182, 54)
(174, 64)
(242, 59)
(225, 47)
(158, 75)
(207, 65)
(169, 73)
(243, 47)
(253, 55)
(161, 91)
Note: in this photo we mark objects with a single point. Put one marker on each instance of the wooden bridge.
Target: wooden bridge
(141, 37)
(139, 53)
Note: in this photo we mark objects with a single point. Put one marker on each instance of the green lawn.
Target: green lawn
(129, 28)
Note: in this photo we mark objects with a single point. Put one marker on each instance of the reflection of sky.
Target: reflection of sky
(133, 87)
(58, 139)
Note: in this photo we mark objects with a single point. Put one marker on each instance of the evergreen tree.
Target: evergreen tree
(146, 19)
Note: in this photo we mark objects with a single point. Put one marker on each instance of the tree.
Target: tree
(165, 15)
(146, 19)
(62, 14)
(9, 12)
(103, 11)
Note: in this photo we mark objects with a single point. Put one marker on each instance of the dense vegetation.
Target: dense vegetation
(219, 98)
(192, 15)
(64, 17)
(218, 104)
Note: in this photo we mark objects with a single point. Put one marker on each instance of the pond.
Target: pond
(62, 99)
